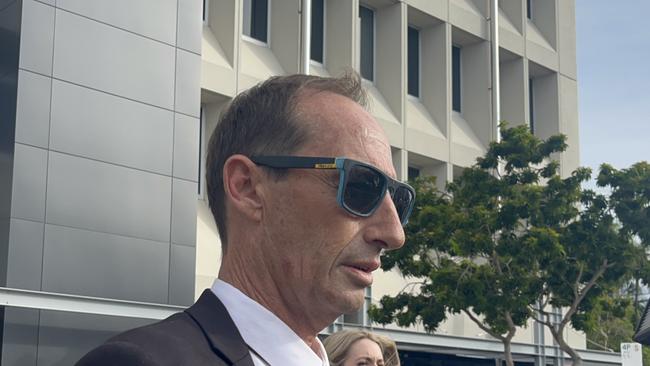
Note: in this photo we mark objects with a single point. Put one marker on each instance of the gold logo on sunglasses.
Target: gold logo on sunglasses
(325, 166)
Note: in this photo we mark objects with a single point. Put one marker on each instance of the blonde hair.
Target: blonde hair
(338, 344)
(389, 350)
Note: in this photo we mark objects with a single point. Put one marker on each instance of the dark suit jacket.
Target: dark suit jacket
(203, 334)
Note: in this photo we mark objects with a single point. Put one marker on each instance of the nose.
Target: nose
(385, 227)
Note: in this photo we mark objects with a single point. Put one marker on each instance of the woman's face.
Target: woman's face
(364, 352)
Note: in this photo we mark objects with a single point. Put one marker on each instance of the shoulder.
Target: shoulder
(177, 340)
(117, 353)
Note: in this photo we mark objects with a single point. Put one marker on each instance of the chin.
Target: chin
(347, 302)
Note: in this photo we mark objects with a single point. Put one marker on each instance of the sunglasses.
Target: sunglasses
(362, 187)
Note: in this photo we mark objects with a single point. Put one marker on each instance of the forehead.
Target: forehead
(341, 127)
(365, 347)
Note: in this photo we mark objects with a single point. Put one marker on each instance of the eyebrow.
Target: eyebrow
(365, 358)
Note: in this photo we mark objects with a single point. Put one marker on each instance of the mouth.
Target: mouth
(361, 271)
(367, 267)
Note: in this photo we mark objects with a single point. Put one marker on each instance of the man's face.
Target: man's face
(323, 256)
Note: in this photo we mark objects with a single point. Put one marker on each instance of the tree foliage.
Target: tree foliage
(613, 319)
(511, 239)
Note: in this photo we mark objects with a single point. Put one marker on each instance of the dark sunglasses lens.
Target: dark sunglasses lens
(363, 189)
(402, 199)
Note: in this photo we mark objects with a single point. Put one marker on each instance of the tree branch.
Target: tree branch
(482, 326)
(412, 284)
(547, 298)
(581, 295)
(539, 320)
(576, 284)
(511, 325)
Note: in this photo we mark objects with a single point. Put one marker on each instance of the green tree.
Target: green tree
(630, 199)
(609, 322)
(613, 321)
(597, 257)
(509, 240)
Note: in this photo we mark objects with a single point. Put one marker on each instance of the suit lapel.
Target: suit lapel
(213, 318)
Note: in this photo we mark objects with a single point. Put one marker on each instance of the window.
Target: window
(413, 173)
(529, 9)
(256, 22)
(205, 11)
(531, 111)
(413, 62)
(367, 43)
(455, 78)
(317, 29)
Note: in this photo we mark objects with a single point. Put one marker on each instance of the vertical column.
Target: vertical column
(540, 343)
(400, 162)
(448, 99)
(185, 175)
(10, 18)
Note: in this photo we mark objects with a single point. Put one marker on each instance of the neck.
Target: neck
(252, 278)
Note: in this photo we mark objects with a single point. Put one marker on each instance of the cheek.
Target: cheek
(309, 228)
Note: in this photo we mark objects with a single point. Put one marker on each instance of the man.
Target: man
(302, 229)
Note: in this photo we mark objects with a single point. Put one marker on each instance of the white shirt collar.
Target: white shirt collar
(264, 332)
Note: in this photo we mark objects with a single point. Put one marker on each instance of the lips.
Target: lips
(361, 271)
(366, 266)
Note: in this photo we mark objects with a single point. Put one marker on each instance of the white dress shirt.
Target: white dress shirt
(271, 341)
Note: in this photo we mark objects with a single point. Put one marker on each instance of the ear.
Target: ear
(240, 180)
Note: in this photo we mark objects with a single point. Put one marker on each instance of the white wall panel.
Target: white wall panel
(190, 25)
(24, 267)
(33, 108)
(28, 185)
(36, 37)
(109, 59)
(184, 198)
(188, 78)
(151, 18)
(102, 197)
(182, 273)
(105, 127)
(186, 147)
(104, 265)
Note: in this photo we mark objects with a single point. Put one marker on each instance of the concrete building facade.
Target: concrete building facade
(99, 191)
(108, 106)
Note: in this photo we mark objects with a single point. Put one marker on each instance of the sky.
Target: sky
(613, 55)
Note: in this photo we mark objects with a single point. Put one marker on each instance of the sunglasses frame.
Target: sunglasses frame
(343, 165)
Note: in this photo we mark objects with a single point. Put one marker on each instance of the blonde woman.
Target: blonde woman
(359, 348)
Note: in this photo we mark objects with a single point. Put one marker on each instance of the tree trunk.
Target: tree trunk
(636, 300)
(507, 351)
(575, 357)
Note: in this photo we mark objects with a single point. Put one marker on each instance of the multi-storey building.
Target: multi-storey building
(100, 116)
(107, 108)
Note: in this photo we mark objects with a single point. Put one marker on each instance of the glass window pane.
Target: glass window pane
(317, 29)
(48, 337)
(455, 78)
(260, 20)
(256, 19)
(413, 61)
(355, 318)
(247, 17)
(413, 173)
(367, 52)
